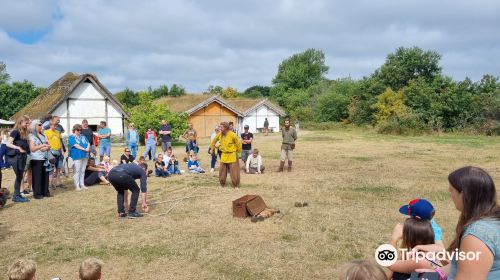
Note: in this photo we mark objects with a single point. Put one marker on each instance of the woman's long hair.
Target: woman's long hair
(417, 232)
(22, 131)
(479, 198)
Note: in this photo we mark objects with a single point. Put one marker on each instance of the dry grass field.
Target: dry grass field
(354, 181)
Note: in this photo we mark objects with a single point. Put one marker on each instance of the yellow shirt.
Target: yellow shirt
(54, 138)
(230, 144)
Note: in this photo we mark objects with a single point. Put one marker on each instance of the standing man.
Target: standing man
(166, 135)
(288, 145)
(190, 135)
(266, 126)
(87, 132)
(54, 138)
(229, 145)
(123, 177)
(132, 139)
(246, 140)
(104, 140)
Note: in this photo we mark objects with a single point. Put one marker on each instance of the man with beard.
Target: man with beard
(230, 145)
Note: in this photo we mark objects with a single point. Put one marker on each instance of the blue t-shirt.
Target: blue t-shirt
(193, 163)
(488, 231)
(104, 131)
(75, 153)
(438, 233)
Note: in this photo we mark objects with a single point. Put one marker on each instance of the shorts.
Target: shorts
(59, 159)
(104, 149)
(286, 154)
(165, 145)
(245, 154)
(27, 166)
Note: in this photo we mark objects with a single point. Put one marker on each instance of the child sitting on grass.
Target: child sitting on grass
(362, 270)
(166, 156)
(173, 166)
(160, 167)
(22, 270)
(90, 269)
(194, 164)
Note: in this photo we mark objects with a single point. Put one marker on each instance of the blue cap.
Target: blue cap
(419, 208)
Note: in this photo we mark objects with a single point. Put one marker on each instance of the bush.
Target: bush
(408, 125)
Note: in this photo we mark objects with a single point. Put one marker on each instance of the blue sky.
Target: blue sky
(136, 44)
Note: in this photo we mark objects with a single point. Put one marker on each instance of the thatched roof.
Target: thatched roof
(59, 91)
(191, 103)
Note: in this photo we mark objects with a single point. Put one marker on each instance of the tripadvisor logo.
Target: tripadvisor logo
(386, 255)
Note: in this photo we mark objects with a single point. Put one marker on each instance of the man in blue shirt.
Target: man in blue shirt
(104, 140)
(123, 177)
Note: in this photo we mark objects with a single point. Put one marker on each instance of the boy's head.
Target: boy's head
(142, 159)
(105, 159)
(159, 157)
(90, 269)
(418, 208)
(22, 270)
(169, 151)
(255, 152)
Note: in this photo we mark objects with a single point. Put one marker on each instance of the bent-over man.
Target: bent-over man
(123, 177)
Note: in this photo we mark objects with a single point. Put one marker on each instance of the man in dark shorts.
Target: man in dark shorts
(246, 140)
(123, 177)
(166, 135)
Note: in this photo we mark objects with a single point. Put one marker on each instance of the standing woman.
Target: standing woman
(79, 151)
(39, 148)
(18, 148)
(132, 139)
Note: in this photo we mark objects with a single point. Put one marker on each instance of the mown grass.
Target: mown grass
(354, 180)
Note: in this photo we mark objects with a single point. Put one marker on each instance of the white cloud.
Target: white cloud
(239, 43)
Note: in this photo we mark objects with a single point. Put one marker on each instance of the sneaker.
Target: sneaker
(133, 215)
(17, 198)
(122, 215)
(212, 170)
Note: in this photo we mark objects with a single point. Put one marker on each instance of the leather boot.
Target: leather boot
(289, 166)
(282, 165)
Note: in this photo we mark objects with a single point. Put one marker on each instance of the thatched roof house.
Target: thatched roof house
(76, 97)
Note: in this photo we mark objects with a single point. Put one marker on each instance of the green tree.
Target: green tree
(13, 97)
(229, 92)
(300, 71)
(177, 90)
(407, 64)
(361, 110)
(257, 91)
(390, 104)
(4, 76)
(149, 115)
(333, 101)
(128, 98)
(214, 90)
(159, 92)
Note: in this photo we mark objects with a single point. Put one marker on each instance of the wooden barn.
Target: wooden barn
(205, 112)
(74, 98)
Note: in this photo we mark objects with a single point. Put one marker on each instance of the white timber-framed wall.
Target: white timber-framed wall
(255, 119)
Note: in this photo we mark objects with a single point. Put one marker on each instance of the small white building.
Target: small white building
(256, 115)
(74, 98)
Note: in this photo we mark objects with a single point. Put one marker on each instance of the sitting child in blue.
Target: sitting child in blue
(173, 166)
(194, 164)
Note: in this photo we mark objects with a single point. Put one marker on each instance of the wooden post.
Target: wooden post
(67, 117)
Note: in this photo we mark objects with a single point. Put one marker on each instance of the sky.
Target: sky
(197, 43)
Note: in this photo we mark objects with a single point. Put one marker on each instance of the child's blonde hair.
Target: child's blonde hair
(362, 270)
(90, 269)
(105, 158)
(22, 269)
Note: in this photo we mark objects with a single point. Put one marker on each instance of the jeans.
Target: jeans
(4, 159)
(133, 149)
(150, 147)
(79, 177)
(104, 149)
(196, 170)
(18, 162)
(159, 172)
(213, 161)
(174, 169)
(245, 154)
(121, 181)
